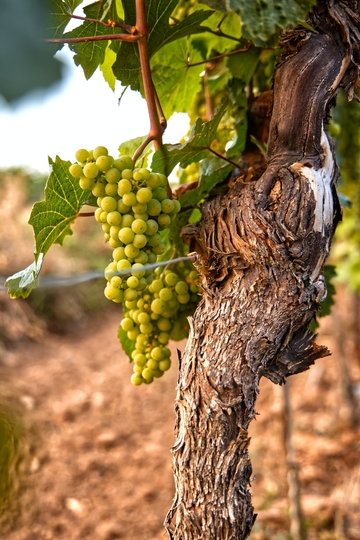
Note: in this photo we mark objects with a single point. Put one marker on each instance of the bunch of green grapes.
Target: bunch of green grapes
(158, 316)
(133, 208)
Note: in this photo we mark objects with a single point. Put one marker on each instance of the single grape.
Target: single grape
(105, 226)
(171, 279)
(124, 186)
(153, 181)
(160, 249)
(160, 194)
(122, 265)
(164, 365)
(154, 240)
(126, 235)
(157, 353)
(98, 190)
(114, 218)
(131, 251)
(164, 220)
(138, 226)
(104, 163)
(165, 294)
(139, 208)
(132, 282)
(100, 151)
(118, 254)
(152, 364)
(116, 281)
(142, 258)
(127, 220)
(140, 359)
(140, 241)
(114, 231)
(127, 324)
(183, 298)
(144, 318)
(81, 155)
(153, 207)
(109, 204)
(130, 295)
(76, 170)
(147, 374)
(136, 379)
(177, 206)
(158, 306)
(137, 270)
(124, 162)
(113, 242)
(146, 328)
(91, 170)
(111, 189)
(127, 173)
(151, 227)
(167, 206)
(144, 195)
(122, 207)
(163, 337)
(86, 183)
(181, 287)
(112, 175)
(129, 198)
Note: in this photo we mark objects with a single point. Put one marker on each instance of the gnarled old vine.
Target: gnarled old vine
(264, 244)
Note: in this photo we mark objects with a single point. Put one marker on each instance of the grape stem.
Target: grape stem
(218, 57)
(110, 23)
(86, 214)
(157, 125)
(121, 37)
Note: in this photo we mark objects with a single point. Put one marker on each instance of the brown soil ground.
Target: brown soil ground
(90, 454)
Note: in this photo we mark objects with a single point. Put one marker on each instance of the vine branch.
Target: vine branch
(121, 37)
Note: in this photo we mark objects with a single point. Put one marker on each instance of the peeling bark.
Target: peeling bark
(262, 249)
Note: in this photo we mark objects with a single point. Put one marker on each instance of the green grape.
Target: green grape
(129, 199)
(103, 217)
(122, 265)
(140, 241)
(153, 365)
(114, 218)
(164, 365)
(138, 226)
(131, 305)
(124, 162)
(181, 287)
(144, 318)
(142, 258)
(100, 151)
(136, 379)
(127, 173)
(144, 195)
(91, 170)
(163, 337)
(153, 207)
(124, 186)
(158, 306)
(139, 208)
(183, 298)
(146, 328)
(81, 155)
(153, 181)
(164, 220)
(171, 279)
(118, 254)
(151, 227)
(76, 170)
(126, 235)
(112, 175)
(137, 270)
(111, 292)
(109, 204)
(160, 194)
(164, 325)
(165, 294)
(98, 190)
(140, 359)
(167, 206)
(110, 270)
(144, 173)
(147, 374)
(131, 251)
(127, 324)
(113, 242)
(111, 189)
(160, 249)
(137, 369)
(144, 216)
(86, 183)
(104, 163)
(122, 207)
(157, 353)
(157, 285)
(127, 220)
(130, 295)
(114, 231)
(116, 281)
(132, 282)
(154, 240)
(105, 226)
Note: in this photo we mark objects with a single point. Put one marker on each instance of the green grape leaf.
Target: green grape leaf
(51, 219)
(22, 283)
(194, 149)
(261, 19)
(127, 344)
(59, 16)
(176, 83)
(106, 67)
(242, 66)
(90, 55)
(207, 182)
(209, 44)
(127, 65)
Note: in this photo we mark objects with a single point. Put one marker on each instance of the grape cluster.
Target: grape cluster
(134, 208)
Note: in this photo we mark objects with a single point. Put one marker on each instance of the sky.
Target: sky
(74, 114)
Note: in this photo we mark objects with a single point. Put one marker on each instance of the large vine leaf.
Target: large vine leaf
(261, 19)
(176, 83)
(51, 220)
(127, 65)
(194, 149)
(90, 55)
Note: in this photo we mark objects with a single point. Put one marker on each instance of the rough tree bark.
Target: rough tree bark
(261, 251)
